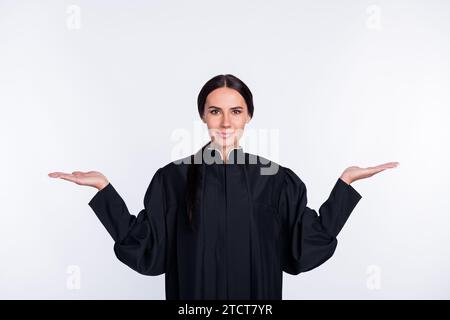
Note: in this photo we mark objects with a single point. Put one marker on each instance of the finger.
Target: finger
(69, 177)
(77, 173)
(374, 170)
(388, 165)
(383, 166)
(56, 174)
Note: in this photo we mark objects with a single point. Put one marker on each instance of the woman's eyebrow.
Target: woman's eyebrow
(237, 107)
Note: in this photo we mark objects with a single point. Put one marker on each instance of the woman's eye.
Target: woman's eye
(214, 111)
(237, 111)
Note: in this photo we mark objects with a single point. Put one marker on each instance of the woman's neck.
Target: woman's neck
(224, 149)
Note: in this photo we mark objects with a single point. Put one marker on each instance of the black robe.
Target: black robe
(251, 223)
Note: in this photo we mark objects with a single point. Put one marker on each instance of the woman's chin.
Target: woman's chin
(224, 141)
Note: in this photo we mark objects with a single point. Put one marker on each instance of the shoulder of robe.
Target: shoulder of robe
(174, 170)
(176, 165)
(291, 179)
(290, 184)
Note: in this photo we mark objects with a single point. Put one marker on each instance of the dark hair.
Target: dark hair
(219, 81)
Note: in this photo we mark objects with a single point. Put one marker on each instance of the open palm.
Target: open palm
(354, 173)
(91, 178)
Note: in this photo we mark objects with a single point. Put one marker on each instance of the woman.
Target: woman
(223, 223)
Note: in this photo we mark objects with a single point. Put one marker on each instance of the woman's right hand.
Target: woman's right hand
(91, 178)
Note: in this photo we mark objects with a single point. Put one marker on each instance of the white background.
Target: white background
(344, 83)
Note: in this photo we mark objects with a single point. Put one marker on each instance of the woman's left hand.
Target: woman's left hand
(355, 173)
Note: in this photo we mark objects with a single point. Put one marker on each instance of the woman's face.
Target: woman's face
(226, 115)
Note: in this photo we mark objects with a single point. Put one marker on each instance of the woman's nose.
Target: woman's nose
(225, 121)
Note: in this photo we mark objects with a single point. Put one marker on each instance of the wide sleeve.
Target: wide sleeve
(309, 239)
(139, 241)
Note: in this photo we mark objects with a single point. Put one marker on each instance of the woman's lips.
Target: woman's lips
(225, 134)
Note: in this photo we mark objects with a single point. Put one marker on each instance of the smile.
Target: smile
(225, 134)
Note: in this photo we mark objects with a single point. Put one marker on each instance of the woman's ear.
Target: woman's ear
(248, 118)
